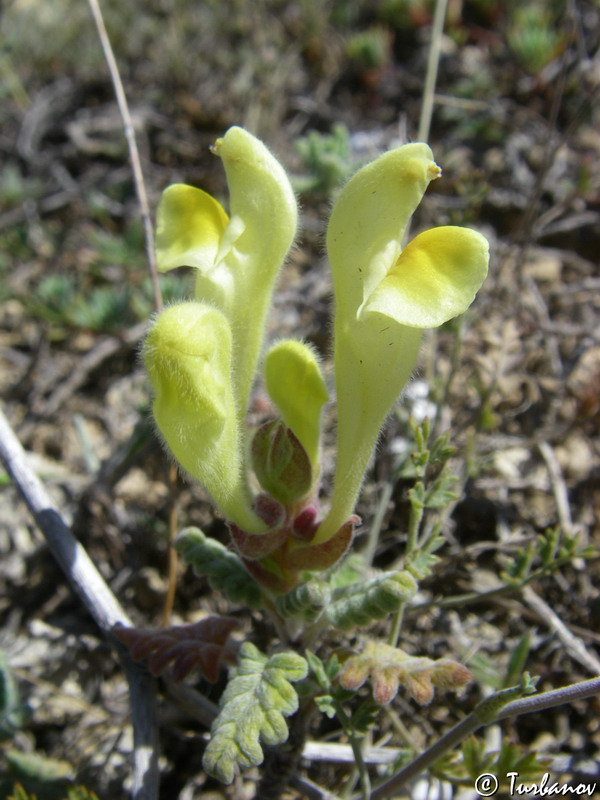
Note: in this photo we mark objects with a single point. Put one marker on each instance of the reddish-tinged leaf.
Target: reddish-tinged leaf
(419, 686)
(449, 674)
(269, 510)
(326, 554)
(355, 672)
(256, 545)
(266, 577)
(390, 667)
(203, 645)
(385, 685)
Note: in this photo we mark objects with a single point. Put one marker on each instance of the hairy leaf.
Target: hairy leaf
(389, 667)
(204, 645)
(223, 568)
(361, 603)
(257, 698)
(305, 602)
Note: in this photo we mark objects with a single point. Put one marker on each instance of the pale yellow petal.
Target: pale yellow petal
(189, 230)
(434, 279)
(297, 388)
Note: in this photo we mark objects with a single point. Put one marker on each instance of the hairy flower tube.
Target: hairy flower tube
(202, 355)
(188, 357)
(237, 256)
(384, 297)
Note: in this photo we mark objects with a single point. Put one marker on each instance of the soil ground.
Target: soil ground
(516, 128)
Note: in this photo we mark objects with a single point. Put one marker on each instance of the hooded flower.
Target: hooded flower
(237, 256)
(385, 296)
(202, 356)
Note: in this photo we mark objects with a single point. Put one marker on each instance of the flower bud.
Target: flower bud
(280, 463)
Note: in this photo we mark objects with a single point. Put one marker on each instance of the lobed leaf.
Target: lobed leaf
(305, 602)
(361, 603)
(204, 645)
(253, 707)
(389, 667)
(223, 568)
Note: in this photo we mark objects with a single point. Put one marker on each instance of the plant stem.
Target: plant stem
(417, 510)
(355, 743)
(281, 763)
(486, 713)
(369, 551)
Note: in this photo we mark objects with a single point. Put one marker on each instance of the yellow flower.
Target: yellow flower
(188, 357)
(237, 256)
(384, 297)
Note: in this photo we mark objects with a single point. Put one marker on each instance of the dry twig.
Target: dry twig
(100, 603)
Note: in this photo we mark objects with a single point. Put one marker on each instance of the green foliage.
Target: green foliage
(350, 571)
(323, 672)
(254, 705)
(222, 567)
(420, 562)
(58, 299)
(74, 793)
(305, 602)
(81, 793)
(545, 555)
(19, 793)
(489, 672)
(35, 775)
(361, 603)
(61, 300)
(426, 458)
(533, 36)
(474, 760)
(13, 714)
(406, 13)
(369, 49)
(326, 160)
(15, 187)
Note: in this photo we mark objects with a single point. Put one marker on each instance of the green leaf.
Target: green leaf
(81, 793)
(361, 603)
(518, 658)
(420, 563)
(305, 602)
(13, 713)
(257, 698)
(223, 568)
(390, 667)
(326, 705)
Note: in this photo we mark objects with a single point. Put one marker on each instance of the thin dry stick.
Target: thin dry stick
(99, 601)
(140, 187)
(559, 489)
(433, 62)
(134, 156)
(574, 646)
